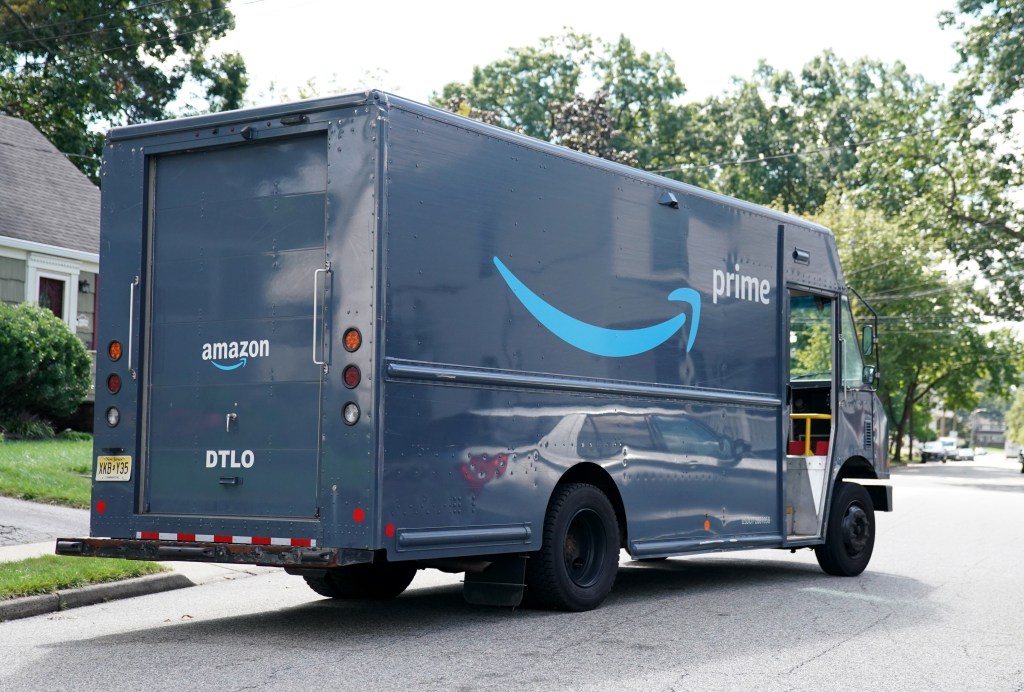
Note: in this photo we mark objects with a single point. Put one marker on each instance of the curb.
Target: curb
(30, 606)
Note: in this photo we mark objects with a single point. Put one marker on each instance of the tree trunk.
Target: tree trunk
(901, 426)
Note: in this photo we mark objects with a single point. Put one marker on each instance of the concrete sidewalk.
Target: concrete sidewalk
(183, 574)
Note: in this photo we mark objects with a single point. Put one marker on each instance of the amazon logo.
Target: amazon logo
(237, 353)
(601, 341)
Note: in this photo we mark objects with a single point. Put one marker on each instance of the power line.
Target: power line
(83, 49)
(106, 15)
(761, 158)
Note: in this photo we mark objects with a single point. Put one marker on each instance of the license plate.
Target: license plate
(113, 468)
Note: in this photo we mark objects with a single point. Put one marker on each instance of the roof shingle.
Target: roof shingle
(44, 198)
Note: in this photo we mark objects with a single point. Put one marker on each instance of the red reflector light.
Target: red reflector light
(351, 376)
(114, 383)
(114, 350)
(101, 506)
(352, 339)
(389, 530)
(359, 515)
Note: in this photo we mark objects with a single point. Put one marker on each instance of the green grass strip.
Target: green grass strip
(49, 573)
(52, 471)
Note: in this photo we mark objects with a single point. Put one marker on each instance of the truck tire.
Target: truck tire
(579, 557)
(850, 536)
(376, 581)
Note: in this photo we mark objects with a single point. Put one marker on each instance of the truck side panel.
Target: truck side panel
(506, 263)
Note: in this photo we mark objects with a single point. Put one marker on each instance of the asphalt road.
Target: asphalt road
(29, 522)
(940, 607)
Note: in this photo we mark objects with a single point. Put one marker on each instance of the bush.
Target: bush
(44, 370)
(27, 429)
(75, 436)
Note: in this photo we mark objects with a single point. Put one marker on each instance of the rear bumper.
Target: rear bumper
(233, 553)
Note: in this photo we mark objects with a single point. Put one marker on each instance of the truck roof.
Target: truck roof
(387, 101)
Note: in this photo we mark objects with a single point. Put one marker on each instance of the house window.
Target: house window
(51, 295)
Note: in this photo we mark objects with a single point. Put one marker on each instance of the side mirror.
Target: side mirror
(867, 340)
(870, 374)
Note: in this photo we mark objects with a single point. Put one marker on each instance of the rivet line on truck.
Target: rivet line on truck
(356, 337)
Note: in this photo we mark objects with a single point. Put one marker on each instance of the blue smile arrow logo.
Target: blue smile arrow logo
(614, 343)
(240, 364)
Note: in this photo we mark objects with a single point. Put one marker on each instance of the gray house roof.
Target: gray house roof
(44, 198)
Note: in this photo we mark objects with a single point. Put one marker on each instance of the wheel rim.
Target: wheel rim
(584, 548)
(856, 530)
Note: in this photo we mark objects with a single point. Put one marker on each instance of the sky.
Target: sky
(414, 49)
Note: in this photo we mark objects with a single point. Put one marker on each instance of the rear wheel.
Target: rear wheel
(579, 557)
(369, 581)
(850, 536)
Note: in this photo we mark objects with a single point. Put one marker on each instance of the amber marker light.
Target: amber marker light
(352, 339)
(114, 350)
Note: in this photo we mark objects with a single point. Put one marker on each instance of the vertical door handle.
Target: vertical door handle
(131, 326)
(318, 327)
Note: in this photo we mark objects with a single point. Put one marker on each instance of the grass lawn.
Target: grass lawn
(49, 573)
(53, 471)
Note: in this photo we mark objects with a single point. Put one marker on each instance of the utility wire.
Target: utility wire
(108, 15)
(84, 49)
(761, 158)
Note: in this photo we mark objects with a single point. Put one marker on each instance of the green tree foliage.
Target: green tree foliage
(983, 192)
(932, 348)
(1015, 418)
(44, 370)
(73, 67)
(632, 115)
(992, 52)
(788, 139)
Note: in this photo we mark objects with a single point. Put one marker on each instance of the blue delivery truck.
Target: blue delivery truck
(355, 337)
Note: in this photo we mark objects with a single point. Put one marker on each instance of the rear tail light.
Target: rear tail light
(114, 383)
(351, 376)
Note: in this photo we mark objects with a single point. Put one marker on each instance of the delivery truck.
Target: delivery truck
(357, 336)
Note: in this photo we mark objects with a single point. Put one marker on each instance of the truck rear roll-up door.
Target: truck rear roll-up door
(233, 395)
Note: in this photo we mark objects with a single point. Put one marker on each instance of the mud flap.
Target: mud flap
(501, 584)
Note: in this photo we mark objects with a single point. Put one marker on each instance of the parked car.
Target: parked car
(964, 454)
(933, 451)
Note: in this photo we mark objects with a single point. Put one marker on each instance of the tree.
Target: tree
(788, 139)
(73, 67)
(934, 345)
(1015, 418)
(992, 52)
(985, 199)
(632, 116)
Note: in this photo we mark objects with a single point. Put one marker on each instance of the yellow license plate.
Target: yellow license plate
(113, 468)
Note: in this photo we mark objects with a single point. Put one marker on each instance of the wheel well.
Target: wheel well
(857, 467)
(861, 468)
(595, 475)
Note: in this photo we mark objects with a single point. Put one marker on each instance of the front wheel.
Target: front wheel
(850, 536)
(579, 557)
(371, 581)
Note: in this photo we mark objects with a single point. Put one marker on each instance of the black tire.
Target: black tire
(376, 581)
(850, 536)
(579, 557)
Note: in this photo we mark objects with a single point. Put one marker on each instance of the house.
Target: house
(49, 229)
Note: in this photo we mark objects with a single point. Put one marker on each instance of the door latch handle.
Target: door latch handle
(227, 421)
